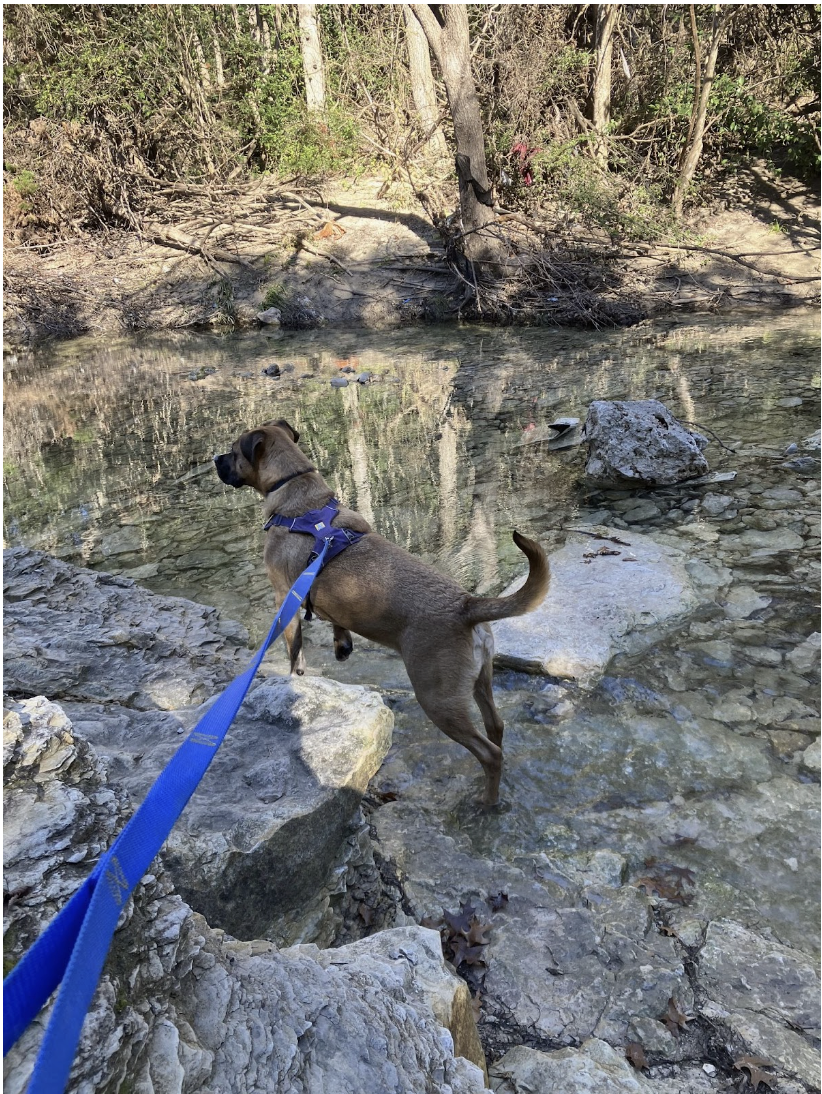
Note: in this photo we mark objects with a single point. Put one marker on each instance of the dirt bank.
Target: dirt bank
(355, 253)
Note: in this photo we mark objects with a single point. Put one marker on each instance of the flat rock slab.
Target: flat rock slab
(616, 602)
(267, 821)
(78, 634)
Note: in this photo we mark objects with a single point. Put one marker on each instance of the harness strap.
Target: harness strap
(317, 523)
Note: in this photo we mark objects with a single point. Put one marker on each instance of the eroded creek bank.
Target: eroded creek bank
(649, 878)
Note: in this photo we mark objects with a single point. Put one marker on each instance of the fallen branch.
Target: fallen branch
(169, 237)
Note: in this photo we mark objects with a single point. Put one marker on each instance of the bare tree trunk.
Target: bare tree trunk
(446, 28)
(702, 91)
(422, 83)
(606, 19)
(312, 58)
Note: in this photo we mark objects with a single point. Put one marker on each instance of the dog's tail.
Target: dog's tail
(479, 609)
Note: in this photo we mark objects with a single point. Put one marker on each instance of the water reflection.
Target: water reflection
(108, 446)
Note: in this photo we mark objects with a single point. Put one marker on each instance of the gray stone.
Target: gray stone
(805, 656)
(271, 317)
(125, 541)
(272, 811)
(790, 401)
(640, 442)
(593, 1068)
(628, 605)
(339, 381)
(181, 1006)
(741, 601)
(714, 504)
(77, 634)
(766, 993)
(645, 510)
(811, 759)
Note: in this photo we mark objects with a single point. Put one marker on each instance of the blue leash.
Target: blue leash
(74, 946)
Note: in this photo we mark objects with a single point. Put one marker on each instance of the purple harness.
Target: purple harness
(317, 523)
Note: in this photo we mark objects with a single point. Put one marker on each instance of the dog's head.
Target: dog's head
(259, 457)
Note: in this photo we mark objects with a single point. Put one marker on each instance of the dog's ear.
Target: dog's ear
(285, 425)
(251, 445)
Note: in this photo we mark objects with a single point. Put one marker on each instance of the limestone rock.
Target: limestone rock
(77, 634)
(180, 1005)
(271, 813)
(593, 1068)
(640, 442)
(271, 317)
(600, 606)
(766, 993)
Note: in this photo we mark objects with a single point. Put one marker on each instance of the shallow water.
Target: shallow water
(108, 463)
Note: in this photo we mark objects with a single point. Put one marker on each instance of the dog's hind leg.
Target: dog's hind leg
(450, 714)
(484, 696)
(343, 643)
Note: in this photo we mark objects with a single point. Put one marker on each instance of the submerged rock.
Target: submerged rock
(182, 1006)
(604, 598)
(640, 442)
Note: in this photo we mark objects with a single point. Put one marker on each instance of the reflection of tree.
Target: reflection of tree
(358, 452)
(449, 500)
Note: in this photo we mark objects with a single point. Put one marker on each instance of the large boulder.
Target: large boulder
(76, 634)
(613, 594)
(182, 1007)
(640, 443)
(270, 816)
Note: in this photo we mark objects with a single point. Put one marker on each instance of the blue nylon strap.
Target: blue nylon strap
(74, 946)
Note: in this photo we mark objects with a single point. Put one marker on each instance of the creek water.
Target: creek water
(693, 752)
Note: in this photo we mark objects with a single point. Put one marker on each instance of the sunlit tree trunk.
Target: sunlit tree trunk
(606, 20)
(422, 83)
(446, 28)
(312, 58)
(703, 81)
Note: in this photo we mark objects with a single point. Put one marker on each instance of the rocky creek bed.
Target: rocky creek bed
(648, 886)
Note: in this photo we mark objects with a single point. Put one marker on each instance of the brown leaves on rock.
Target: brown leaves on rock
(663, 879)
(753, 1065)
(464, 939)
(675, 1019)
(635, 1055)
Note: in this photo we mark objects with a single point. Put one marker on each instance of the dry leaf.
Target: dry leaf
(753, 1065)
(636, 1055)
(674, 1018)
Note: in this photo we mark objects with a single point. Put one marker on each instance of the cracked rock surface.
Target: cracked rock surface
(183, 1007)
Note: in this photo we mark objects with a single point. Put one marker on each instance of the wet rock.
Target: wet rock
(77, 634)
(766, 993)
(810, 758)
(789, 402)
(180, 1001)
(640, 442)
(805, 656)
(125, 541)
(627, 605)
(274, 807)
(271, 317)
(741, 601)
(714, 504)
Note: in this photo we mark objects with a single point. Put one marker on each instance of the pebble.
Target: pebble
(339, 381)
(791, 401)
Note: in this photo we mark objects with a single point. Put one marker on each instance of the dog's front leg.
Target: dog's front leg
(293, 635)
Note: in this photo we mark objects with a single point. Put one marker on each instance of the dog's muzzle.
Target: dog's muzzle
(224, 466)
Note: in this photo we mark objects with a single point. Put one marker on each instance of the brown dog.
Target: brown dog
(378, 590)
